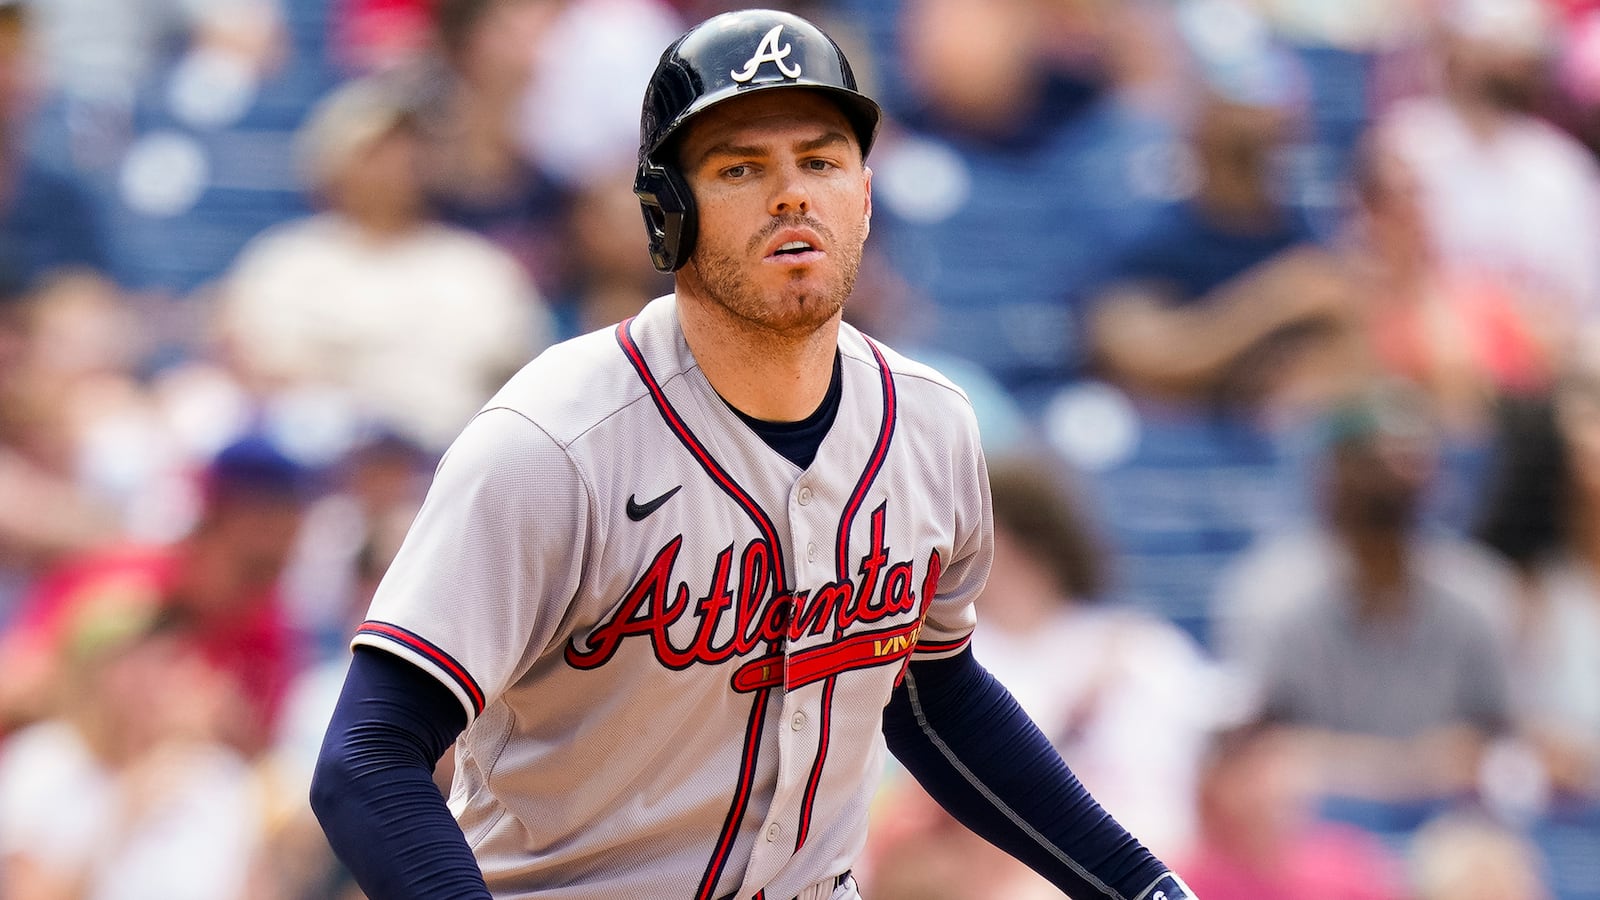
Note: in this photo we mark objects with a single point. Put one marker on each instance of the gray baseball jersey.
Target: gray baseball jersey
(674, 646)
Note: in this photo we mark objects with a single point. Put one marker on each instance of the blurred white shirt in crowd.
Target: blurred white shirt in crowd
(183, 828)
(418, 331)
(1522, 204)
(581, 115)
(1557, 678)
(1127, 699)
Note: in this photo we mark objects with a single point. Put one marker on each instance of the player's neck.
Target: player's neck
(768, 376)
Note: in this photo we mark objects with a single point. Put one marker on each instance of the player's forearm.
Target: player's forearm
(373, 790)
(976, 752)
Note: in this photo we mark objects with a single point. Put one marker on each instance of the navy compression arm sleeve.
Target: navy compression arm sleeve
(373, 789)
(960, 733)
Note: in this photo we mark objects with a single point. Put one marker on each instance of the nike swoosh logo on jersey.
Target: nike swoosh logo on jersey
(638, 511)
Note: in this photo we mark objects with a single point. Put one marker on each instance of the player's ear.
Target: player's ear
(866, 173)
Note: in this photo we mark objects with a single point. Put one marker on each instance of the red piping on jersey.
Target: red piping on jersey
(874, 465)
(858, 496)
(769, 533)
(439, 657)
(943, 646)
(930, 587)
(730, 826)
(814, 779)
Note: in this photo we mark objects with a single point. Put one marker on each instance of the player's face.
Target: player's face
(784, 202)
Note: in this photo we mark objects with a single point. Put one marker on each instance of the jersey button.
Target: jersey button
(798, 723)
(773, 831)
(805, 496)
(811, 551)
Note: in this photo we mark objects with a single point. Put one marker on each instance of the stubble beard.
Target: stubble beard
(796, 311)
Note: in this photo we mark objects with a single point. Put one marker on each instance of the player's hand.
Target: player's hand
(1169, 887)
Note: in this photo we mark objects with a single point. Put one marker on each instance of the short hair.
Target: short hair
(1032, 503)
(347, 122)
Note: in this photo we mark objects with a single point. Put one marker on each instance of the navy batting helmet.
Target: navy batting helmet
(724, 57)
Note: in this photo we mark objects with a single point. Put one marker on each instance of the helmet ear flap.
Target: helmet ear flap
(669, 217)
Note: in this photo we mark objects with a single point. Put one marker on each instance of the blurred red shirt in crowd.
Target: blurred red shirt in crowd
(1260, 837)
(219, 583)
(375, 35)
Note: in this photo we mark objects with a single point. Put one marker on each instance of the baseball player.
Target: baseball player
(680, 583)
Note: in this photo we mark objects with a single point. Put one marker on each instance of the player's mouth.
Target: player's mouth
(791, 248)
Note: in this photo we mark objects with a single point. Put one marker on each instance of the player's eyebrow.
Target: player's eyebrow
(826, 140)
(728, 148)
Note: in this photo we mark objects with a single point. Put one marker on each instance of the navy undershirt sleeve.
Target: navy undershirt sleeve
(965, 739)
(373, 789)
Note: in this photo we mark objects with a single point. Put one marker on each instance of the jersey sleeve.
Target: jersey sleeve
(952, 615)
(491, 563)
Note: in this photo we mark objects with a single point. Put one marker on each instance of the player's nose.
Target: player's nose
(789, 195)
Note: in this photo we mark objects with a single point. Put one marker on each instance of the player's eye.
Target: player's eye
(738, 171)
(819, 165)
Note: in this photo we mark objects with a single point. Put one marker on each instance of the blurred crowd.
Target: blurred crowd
(1281, 318)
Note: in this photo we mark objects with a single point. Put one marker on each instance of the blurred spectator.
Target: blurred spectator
(100, 51)
(609, 276)
(916, 851)
(372, 36)
(476, 172)
(880, 304)
(90, 350)
(220, 580)
(1576, 102)
(350, 537)
(1501, 189)
(1091, 675)
(413, 322)
(965, 84)
(1021, 151)
(373, 489)
(1260, 838)
(1355, 25)
(1464, 857)
(580, 118)
(1383, 642)
(1358, 56)
(47, 222)
(99, 55)
(1543, 514)
(1457, 332)
(1226, 299)
(61, 385)
(125, 790)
